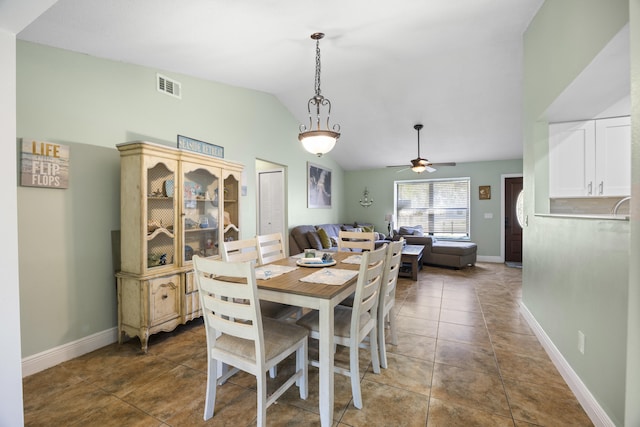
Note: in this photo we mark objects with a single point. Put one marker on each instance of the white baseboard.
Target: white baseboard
(46, 359)
(589, 403)
(497, 259)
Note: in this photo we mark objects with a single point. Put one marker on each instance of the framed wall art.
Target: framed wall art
(485, 192)
(318, 186)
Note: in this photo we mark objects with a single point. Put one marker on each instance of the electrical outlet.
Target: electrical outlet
(581, 340)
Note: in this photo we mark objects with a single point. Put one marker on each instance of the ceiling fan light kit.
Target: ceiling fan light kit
(419, 164)
(318, 141)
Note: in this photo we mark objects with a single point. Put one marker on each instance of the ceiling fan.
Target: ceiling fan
(419, 164)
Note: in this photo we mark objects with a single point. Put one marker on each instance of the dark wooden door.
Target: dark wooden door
(512, 229)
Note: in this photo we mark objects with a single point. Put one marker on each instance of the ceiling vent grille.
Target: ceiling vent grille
(169, 86)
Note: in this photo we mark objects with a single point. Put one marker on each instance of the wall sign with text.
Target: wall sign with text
(200, 147)
(44, 164)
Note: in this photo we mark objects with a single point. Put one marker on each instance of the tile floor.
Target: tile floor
(465, 357)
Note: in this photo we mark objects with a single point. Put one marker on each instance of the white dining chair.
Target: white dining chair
(386, 305)
(245, 250)
(349, 240)
(270, 248)
(239, 336)
(354, 324)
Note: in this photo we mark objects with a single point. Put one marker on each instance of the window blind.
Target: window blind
(440, 206)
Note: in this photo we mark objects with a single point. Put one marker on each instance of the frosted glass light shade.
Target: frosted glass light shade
(318, 142)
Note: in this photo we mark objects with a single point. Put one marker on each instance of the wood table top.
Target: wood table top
(290, 282)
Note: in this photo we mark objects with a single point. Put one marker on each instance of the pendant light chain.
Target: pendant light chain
(317, 88)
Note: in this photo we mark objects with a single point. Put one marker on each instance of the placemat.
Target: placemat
(266, 272)
(330, 276)
(353, 259)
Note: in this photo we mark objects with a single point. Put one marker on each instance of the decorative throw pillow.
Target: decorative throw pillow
(367, 228)
(415, 230)
(324, 238)
(334, 241)
(403, 231)
(314, 240)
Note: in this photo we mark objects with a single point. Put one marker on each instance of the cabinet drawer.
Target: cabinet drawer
(164, 299)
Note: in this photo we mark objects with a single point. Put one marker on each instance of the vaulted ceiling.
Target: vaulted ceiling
(454, 66)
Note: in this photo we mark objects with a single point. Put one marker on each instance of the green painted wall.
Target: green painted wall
(380, 183)
(67, 287)
(576, 274)
(632, 409)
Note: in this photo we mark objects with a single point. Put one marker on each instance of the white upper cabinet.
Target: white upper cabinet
(590, 158)
(613, 157)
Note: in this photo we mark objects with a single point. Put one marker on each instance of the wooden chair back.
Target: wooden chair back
(386, 304)
(240, 250)
(348, 240)
(270, 248)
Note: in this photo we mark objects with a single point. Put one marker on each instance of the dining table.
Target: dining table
(285, 281)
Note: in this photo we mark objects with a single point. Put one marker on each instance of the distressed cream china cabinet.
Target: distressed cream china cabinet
(174, 204)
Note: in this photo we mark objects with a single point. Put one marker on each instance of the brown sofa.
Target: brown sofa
(303, 237)
(439, 252)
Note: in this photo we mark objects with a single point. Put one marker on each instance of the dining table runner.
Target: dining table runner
(266, 272)
(330, 276)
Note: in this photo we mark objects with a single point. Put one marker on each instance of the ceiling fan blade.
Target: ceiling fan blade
(444, 164)
(430, 169)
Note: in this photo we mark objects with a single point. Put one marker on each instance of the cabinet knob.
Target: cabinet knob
(590, 188)
(165, 296)
(601, 187)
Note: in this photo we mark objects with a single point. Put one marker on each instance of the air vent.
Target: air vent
(168, 86)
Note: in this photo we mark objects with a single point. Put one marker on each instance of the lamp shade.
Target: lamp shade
(390, 218)
(318, 142)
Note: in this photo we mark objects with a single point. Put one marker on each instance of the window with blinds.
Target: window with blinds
(440, 206)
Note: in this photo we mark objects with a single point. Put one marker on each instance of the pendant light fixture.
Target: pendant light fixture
(316, 140)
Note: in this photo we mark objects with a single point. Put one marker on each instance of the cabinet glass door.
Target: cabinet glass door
(231, 208)
(200, 211)
(160, 237)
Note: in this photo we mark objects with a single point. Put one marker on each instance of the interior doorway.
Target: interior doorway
(512, 227)
(271, 201)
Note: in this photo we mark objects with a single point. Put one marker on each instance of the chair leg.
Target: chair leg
(375, 356)
(382, 344)
(212, 379)
(354, 373)
(302, 363)
(262, 399)
(392, 325)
